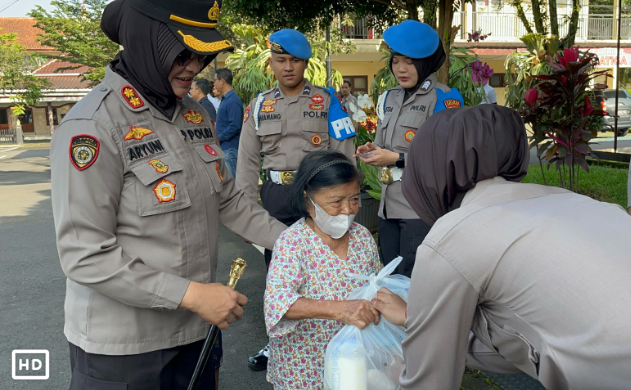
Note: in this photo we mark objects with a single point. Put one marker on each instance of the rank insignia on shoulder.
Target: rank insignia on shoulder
(218, 171)
(246, 115)
(159, 166)
(306, 90)
(193, 116)
(277, 93)
(314, 106)
(317, 99)
(426, 85)
(409, 135)
(137, 133)
(84, 149)
(269, 102)
(452, 103)
(267, 109)
(165, 191)
(210, 150)
(316, 140)
(131, 96)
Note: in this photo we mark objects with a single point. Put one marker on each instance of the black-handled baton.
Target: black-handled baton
(238, 265)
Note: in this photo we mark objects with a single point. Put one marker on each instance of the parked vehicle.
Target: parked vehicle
(624, 111)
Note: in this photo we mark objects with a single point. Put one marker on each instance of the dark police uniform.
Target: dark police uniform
(284, 129)
(401, 231)
(137, 200)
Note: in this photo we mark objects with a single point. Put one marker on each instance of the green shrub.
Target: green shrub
(602, 183)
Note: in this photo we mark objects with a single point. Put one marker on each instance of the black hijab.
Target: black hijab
(424, 66)
(454, 149)
(150, 49)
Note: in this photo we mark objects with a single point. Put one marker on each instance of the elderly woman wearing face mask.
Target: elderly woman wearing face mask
(308, 276)
(416, 54)
(509, 279)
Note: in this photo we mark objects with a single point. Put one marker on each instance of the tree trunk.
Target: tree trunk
(447, 34)
(538, 15)
(412, 7)
(554, 21)
(522, 16)
(573, 27)
(429, 13)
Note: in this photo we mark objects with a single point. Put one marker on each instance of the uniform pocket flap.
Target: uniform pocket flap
(413, 121)
(269, 128)
(209, 152)
(149, 171)
(315, 126)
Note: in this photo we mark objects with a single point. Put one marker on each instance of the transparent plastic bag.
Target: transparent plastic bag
(371, 358)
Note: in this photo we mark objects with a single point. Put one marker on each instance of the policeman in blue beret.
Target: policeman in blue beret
(284, 124)
(416, 54)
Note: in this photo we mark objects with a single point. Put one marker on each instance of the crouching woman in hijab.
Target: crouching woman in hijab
(139, 187)
(510, 277)
(416, 54)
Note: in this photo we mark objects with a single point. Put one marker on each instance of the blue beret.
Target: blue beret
(412, 39)
(290, 41)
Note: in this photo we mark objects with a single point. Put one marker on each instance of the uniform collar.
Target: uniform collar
(307, 91)
(130, 97)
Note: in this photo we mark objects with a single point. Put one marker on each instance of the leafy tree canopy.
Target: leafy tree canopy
(73, 29)
(15, 72)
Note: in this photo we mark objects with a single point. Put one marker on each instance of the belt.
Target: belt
(390, 175)
(281, 177)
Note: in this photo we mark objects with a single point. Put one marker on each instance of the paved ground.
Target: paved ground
(32, 285)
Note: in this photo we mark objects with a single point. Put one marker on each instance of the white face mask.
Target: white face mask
(335, 226)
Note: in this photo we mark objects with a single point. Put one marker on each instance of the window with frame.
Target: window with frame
(4, 116)
(498, 80)
(359, 84)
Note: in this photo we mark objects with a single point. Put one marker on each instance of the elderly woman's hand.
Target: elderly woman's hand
(358, 312)
(391, 306)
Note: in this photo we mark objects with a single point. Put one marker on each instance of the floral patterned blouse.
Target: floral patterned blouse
(304, 266)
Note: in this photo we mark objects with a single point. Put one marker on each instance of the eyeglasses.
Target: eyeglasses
(186, 55)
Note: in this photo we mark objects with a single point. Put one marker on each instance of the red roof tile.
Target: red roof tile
(52, 66)
(67, 82)
(25, 28)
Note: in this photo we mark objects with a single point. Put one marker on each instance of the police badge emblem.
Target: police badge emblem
(137, 133)
(316, 140)
(267, 109)
(84, 149)
(317, 99)
(193, 116)
(409, 135)
(159, 166)
(165, 191)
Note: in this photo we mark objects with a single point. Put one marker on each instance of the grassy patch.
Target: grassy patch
(602, 183)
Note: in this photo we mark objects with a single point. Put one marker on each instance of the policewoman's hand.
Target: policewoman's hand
(215, 303)
(381, 157)
(358, 312)
(363, 149)
(391, 306)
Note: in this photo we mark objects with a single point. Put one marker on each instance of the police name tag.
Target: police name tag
(340, 124)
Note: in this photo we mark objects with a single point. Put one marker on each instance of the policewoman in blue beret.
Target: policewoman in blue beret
(139, 187)
(284, 124)
(416, 54)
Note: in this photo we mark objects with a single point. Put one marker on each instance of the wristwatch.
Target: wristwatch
(401, 161)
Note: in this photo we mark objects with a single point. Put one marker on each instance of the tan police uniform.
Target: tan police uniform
(137, 200)
(400, 229)
(289, 127)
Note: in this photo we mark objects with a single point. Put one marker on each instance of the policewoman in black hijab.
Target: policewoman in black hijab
(139, 187)
(416, 54)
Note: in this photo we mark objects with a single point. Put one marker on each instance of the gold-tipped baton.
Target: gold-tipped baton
(238, 265)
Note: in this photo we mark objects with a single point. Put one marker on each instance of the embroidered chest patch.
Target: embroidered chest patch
(314, 106)
(247, 114)
(269, 102)
(316, 140)
(193, 116)
(210, 150)
(267, 109)
(452, 103)
(84, 149)
(409, 135)
(137, 133)
(165, 191)
(131, 97)
(159, 166)
(317, 99)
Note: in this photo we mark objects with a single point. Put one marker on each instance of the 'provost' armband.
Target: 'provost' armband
(340, 124)
(445, 100)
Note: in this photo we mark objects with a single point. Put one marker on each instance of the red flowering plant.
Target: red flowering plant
(560, 107)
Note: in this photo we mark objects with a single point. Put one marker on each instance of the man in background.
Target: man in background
(212, 96)
(199, 92)
(347, 95)
(490, 96)
(229, 118)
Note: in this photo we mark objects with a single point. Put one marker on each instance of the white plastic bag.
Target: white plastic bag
(372, 358)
